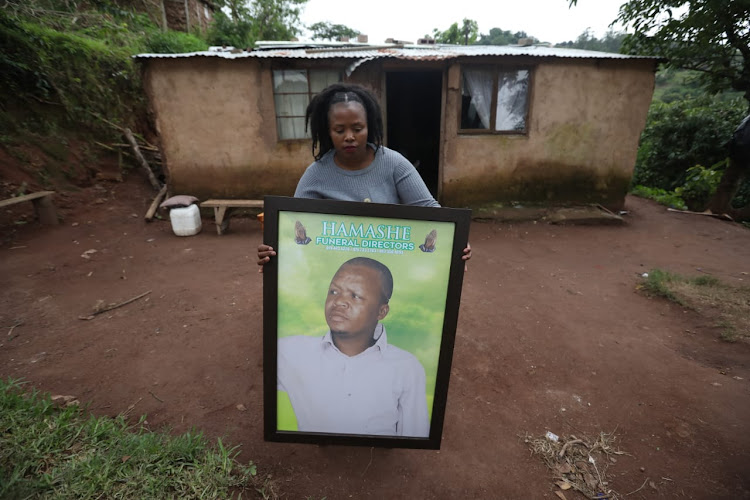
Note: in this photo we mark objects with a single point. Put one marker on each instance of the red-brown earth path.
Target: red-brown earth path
(552, 336)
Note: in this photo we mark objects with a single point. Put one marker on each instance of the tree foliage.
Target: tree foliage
(708, 36)
(328, 31)
(465, 34)
(231, 33)
(611, 42)
(683, 134)
(238, 9)
(276, 19)
(250, 21)
(497, 36)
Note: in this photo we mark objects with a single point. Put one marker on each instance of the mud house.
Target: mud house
(483, 123)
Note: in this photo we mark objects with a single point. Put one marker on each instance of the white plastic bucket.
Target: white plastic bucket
(186, 221)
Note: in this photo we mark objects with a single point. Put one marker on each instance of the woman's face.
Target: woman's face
(348, 131)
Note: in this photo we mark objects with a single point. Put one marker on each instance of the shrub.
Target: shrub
(683, 134)
(48, 75)
(700, 184)
(174, 42)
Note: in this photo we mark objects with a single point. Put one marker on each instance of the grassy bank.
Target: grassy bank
(727, 306)
(49, 450)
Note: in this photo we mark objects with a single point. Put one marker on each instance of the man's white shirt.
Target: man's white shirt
(380, 391)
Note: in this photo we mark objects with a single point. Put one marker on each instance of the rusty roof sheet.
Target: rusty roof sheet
(363, 52)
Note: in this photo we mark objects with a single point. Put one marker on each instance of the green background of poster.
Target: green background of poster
(415, 320)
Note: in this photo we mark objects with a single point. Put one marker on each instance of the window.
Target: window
(494, 100)
(292, 90)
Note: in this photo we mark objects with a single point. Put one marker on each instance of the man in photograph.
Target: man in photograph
(351, 381)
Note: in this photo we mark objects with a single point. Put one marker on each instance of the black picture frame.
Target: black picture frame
(316, 245)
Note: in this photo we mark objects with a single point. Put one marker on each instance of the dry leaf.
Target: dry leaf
(564, 468)
(564, 485)
(590, 481)
(65, 400)
(561, 495)
(125, 458)
(241, 407)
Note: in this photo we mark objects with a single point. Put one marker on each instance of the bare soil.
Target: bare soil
(553, 336)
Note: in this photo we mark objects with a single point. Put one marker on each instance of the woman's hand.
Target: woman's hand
(467, 252)
(265, 253)
(467, 255)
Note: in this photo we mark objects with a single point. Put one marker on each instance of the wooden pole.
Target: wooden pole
(141, 159)
(155, 204)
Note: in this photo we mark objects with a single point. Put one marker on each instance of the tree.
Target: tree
(276, 19)
(327, 31)
(231, 33)
(710, 36)
(238, 9)
(612, 41)
(255, 20)
(497, 36)
(466, 34)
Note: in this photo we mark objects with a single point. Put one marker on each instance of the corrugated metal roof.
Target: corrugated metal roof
(296, 50)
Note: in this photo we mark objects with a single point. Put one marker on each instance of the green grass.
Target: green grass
(661, 196)
(728, 307)
(47, 451)
(658, 283)
(728, 332)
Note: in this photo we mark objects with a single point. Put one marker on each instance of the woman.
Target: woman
(351, 164)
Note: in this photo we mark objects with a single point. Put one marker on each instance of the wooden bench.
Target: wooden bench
(221, 217)
(43, 206)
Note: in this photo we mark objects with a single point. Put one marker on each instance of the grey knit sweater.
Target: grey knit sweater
(390, 178)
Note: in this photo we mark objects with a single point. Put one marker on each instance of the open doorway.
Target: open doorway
(413, 108)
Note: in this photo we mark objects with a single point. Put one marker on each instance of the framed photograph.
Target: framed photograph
(360, 307)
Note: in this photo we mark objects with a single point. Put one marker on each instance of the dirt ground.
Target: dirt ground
(552, 336)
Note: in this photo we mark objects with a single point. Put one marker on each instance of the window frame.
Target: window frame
(495, 70)
(309, 93)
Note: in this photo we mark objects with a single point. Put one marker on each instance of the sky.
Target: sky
(547, 20)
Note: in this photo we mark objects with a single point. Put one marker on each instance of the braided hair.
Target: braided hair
(316, 116)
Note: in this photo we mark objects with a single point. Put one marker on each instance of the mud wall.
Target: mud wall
(217, 126)
(584, 123)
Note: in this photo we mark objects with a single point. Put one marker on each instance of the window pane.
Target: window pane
(290, 104)
(320, 79)
(291, 128)
(476, 99)
(290, 80)
(512, 97)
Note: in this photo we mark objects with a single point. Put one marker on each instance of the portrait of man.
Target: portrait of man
(351, 380)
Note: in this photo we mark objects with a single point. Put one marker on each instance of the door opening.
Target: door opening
(413, 110)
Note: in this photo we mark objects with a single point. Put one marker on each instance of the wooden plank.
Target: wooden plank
(233, 203)
(26, 197)
(222, 215)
